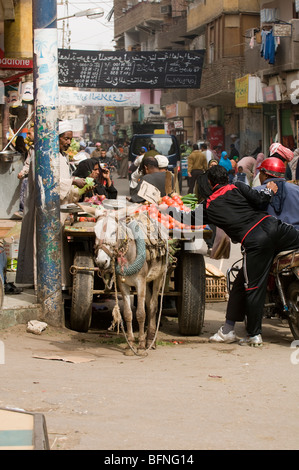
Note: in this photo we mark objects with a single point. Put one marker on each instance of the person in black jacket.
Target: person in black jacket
(241, 213)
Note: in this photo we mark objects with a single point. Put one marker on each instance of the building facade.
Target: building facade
(272, 62)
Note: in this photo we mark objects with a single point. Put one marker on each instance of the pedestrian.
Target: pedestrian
(249, 165)
(26, 266)
(208, 152)
(197, 164)
(292, 169)
(103, 158)
(225, 161)
(124, 164)
(151, 150)
(233, 152)
(240, 212)
(23, 173)
(258, 150)
(97, 151)
(240, 176)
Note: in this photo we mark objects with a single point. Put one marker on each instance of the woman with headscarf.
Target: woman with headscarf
(259, 159)
(103, 184)
(292, 171)
(225, 161)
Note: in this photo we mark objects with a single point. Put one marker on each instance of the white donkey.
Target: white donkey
(124, 247)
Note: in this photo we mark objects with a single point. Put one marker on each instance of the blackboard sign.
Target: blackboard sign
(130, 70)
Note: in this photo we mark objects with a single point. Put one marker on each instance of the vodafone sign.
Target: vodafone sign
(13, 63)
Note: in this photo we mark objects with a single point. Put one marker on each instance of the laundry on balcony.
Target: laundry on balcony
(269, 45)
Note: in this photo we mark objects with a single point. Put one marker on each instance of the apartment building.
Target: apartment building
(274, 77)
(218, 27)
(221, 27)
(153, 25)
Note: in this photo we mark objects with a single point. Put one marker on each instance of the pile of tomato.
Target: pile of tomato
(154, 212)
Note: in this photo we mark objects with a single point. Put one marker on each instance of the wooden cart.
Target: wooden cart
(185, 283)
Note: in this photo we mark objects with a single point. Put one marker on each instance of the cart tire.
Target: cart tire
(82, 294)
(191, 283)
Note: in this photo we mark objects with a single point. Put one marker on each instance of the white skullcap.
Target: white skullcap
(65, 126)
(163, 161)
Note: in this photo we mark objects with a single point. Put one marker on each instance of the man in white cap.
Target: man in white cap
(163, 162)
(68, 193)
(68, 184)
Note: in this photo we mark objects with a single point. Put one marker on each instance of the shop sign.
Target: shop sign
(241, 92)
(14, 63)
(109, 112)
(282, 30)
(178, 124)
(171, 110)
(271, 93)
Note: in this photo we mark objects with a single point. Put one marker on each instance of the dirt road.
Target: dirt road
(187, 394)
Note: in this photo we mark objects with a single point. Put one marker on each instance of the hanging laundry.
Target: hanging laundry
(269, 46)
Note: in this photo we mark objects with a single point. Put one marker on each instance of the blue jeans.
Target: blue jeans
(3, 263)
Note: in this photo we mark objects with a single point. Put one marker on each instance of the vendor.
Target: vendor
(103, 183)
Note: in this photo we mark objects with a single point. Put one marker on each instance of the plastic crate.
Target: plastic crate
(216, 289)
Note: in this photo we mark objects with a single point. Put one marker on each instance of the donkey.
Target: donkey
(122, 247)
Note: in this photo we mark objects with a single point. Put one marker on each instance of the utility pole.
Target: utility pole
(46, 144)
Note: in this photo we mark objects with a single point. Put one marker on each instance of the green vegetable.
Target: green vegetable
(89, 183)
(190, 200)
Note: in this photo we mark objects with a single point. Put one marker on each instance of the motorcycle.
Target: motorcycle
(282, 298)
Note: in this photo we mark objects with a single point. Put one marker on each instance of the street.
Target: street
(188, 394)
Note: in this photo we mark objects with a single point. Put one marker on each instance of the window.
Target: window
(211, 44)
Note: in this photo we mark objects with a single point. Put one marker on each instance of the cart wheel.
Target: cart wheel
(191, 283)
(82, 294)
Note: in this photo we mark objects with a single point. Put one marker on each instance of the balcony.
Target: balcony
(286, 58)
(146, 16)
(202, 13)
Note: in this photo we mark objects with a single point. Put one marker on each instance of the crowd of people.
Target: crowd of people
(248, 198)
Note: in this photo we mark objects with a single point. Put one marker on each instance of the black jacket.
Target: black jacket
(235, 208)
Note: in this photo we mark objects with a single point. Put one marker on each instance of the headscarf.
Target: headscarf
(85, 167)
(284, 152)
(225, 162)
(259, 159)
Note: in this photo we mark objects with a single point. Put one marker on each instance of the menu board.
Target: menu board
(130, 70)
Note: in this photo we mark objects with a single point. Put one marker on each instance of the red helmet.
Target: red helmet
(273, 166)
(284, 152)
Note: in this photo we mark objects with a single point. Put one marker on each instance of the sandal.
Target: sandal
(10, 288)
